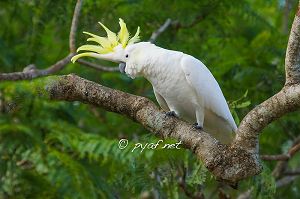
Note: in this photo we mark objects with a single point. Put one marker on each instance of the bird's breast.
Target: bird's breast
(179, 95)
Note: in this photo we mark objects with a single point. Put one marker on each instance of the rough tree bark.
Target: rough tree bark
(229, 163)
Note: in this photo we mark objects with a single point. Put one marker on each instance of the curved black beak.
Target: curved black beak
(122, 67)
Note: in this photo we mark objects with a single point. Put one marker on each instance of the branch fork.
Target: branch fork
(229, 163)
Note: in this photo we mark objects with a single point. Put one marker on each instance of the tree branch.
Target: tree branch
(97, 66)
(285, 181)
(176, 24)
(72, 42)
(289, 177)
(285, 101)
(74, 26)
(292, 172)
(279, 183)
(292, 59)
(275, 157)
(287, 156)
(152, 39)
(160, 30)
(229, 164)
(197, 19)
(282, 165)
(34, 72)
(31, 72)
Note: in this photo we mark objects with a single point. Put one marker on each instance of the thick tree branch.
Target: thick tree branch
(285, 101)
(292, 59)
(227, 163)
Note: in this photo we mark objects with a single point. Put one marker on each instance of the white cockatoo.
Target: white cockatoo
(183, 85)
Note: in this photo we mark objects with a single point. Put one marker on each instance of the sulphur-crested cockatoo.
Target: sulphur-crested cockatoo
(183, 86)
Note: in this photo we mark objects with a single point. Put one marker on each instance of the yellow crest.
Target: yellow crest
(107, 44)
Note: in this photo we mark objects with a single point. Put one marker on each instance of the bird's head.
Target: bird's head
(118, 48)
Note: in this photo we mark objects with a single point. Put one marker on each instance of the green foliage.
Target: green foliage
(239, 104)
(198, 175)
(263, 185)
(51, 149)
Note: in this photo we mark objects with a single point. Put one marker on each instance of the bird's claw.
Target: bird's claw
(197, 126)
(171, 113)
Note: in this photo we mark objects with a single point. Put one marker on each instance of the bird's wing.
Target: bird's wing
(161, 101)
(206, 87)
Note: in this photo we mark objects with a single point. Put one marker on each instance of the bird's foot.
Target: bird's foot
(171, 113)
(197, 126)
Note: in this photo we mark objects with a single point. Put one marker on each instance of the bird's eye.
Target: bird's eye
(127, 56)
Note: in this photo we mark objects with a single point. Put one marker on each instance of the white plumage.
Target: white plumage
(182, 84)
